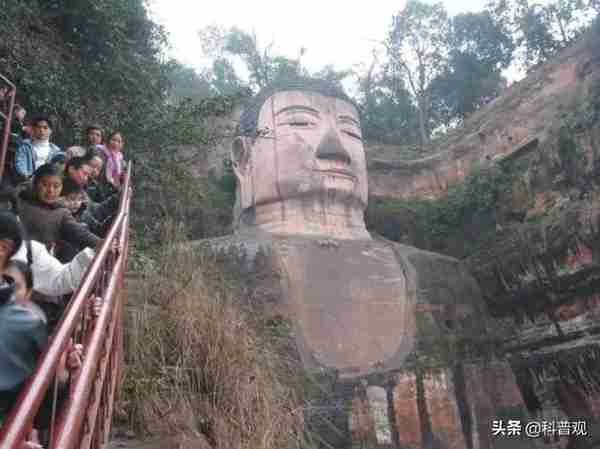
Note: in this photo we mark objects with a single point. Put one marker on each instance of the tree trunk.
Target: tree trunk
(562, 31)
(423, 122)
(422, 103)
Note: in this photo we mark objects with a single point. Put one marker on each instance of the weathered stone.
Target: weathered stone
(406, 412)
(379, 406)
(352, 299)
(481, 411)
(355, 316)
(526, 263)
(362, 423)
(301, 199)
(492, 394)
(442, 409)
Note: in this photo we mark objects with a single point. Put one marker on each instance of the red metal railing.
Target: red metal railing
(6, 110)
(84, 419)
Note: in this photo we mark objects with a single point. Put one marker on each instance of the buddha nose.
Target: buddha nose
(331, 148)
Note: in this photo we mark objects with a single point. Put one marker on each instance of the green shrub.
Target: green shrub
(451, 224)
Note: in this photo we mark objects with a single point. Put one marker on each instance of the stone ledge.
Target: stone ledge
(554, 258)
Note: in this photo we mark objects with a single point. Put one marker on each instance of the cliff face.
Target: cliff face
(526, 117)
(538, 272)
(539, 269)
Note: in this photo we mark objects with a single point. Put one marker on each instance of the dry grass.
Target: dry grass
(204, 363)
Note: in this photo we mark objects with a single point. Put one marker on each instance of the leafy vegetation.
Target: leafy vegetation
(453, 224)
(226, 46)
(480, 49)
(84, 61)
(388, 114)
(168, 189)
(435, 70)
(571, 154)
(88, 62)
(417, 48)
(539, 30)
(584, 116)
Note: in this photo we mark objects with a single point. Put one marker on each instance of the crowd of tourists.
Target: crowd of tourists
(56, 209)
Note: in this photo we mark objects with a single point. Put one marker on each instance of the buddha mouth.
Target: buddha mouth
(340, 172)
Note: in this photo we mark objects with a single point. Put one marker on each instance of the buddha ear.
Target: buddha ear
(241, 163)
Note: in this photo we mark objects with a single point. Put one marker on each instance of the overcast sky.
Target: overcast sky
(337, 32)
(332, 31)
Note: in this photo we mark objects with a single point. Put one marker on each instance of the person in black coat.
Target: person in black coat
(45, 218)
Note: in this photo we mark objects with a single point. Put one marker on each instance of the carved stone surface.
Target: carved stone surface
(406, 412)
(442, 409)
(351, 301)
(359, 306)
(380, 411)
(362, 422)
(305, 173)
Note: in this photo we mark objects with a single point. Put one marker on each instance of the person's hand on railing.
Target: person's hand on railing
(96, 305)
(74, 357)
(115, 247)
(71, 360)
(33, 441)
(31, 445)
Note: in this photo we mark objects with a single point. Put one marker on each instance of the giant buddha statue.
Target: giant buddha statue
(360, 305)
(300, 164)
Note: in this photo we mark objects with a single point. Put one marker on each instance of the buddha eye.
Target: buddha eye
(299, 124)
(263, 132)
(352, 134)
(300, 121)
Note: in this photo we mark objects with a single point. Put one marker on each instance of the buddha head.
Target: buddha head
(300, 163)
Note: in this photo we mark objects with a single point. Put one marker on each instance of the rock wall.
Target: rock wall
(527, 112)
(542, 282)
(539, 271)
(539, 274)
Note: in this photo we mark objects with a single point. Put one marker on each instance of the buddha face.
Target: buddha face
(310, 148)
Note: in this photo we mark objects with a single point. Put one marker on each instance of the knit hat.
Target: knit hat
(11, 229)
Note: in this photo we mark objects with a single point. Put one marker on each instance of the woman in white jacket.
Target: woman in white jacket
(50, 277)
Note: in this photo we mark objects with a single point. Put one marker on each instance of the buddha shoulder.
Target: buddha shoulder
(440, 279)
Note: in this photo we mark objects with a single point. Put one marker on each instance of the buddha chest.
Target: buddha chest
(352, 303)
